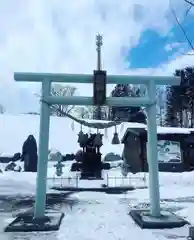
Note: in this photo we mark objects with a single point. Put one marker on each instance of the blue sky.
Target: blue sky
(154, 49)
(50, 36)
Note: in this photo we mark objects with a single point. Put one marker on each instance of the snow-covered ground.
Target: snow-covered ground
(93, 215)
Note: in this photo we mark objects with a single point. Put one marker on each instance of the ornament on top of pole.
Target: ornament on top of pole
(99, 44)
(99, 78)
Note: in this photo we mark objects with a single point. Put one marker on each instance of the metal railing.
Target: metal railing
(130, 180)
(65, 181)
(109, 181)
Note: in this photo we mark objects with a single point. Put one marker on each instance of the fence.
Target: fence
(64, 181)
(130, 180)
(109, 181)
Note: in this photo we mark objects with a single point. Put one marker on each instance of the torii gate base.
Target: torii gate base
(26, 222)
(153, 218)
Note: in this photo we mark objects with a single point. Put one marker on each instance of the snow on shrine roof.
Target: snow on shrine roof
(160, 130)
(173, 130)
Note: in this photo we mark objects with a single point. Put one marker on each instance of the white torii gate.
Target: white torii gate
(148, 101)
(46, 99)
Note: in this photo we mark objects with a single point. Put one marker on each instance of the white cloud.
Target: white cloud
(178, 62)
(169, 47)
(59, 36)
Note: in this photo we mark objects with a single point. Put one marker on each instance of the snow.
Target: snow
(15, 129)
(166, 130)
(95, 215)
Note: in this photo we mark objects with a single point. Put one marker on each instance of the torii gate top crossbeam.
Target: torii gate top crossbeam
(88, 78)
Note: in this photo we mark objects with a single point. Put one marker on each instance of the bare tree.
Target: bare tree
(2, 109)
(65, 91)
(190, 5)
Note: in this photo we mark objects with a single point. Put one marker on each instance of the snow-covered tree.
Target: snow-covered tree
(180, 100)
(128, 113)
(104, 113)
(161, 105)
(84, 112)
